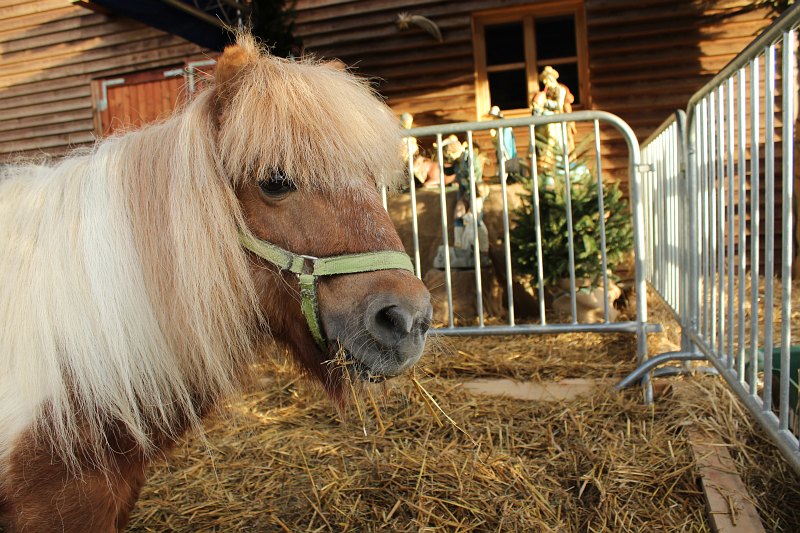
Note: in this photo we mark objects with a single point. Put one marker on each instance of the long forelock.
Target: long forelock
(324, 127)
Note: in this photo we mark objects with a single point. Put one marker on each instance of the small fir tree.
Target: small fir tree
(585, 220)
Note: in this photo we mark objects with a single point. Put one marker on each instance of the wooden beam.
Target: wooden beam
(566, 389)
(91, 5)
(201, 15)
(730, 507)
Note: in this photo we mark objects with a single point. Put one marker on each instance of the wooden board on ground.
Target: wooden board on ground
(553, 391)
(730, 507)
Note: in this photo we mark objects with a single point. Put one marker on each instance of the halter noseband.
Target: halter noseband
(309, 268)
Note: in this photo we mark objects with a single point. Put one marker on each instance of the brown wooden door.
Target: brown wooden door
(126, 102)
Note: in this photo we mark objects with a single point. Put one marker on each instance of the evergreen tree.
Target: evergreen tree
(585, 220)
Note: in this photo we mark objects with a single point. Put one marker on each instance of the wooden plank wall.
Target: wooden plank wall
(646, 57)
(50, 51)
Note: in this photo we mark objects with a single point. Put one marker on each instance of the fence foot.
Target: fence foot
(645, 367)
(667, 371)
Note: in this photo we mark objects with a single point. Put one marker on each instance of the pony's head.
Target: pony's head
(306, 146)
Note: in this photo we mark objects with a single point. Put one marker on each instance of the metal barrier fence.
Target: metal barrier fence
(594, 119)
(664, 190)
(705, 226)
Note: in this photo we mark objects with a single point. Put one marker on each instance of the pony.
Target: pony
(140, 277)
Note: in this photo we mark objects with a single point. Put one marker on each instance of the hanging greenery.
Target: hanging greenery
(585, 219)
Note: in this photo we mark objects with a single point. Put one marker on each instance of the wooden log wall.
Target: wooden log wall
(646, 57)
(50, 51)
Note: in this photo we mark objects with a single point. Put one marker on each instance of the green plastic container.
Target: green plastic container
(794, 369)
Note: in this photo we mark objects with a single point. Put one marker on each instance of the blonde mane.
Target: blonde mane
(126, 298)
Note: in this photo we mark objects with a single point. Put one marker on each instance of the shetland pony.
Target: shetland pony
(129, 307)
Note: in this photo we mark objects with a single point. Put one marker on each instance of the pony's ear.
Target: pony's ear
(335, 64)
(230, 64)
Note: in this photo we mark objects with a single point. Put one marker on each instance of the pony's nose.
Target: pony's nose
(395, 322)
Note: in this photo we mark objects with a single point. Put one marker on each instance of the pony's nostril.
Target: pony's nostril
(424, 324)
(396, 324)
(394, 320)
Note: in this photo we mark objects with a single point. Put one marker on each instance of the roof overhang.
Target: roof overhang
(209, 23)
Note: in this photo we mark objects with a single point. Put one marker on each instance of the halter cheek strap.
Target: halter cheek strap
(308, 269)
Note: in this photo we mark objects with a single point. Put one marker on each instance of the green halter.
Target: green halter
(309, 268)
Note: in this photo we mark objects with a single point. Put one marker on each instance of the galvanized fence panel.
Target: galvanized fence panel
(596, 120)
(665, 188)
(736, 138)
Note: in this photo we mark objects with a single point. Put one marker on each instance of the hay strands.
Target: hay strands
(431, 402)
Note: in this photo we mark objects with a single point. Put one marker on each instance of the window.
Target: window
(512, 46)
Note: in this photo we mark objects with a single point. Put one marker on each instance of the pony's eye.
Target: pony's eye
(277, 186)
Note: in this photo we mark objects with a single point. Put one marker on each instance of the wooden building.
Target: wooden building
(65, 68)
(69, 74)
(639, 59)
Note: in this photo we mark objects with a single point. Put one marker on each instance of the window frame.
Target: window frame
(527, 14)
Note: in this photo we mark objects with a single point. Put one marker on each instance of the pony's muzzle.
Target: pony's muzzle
(397, 326)
(392, 321)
